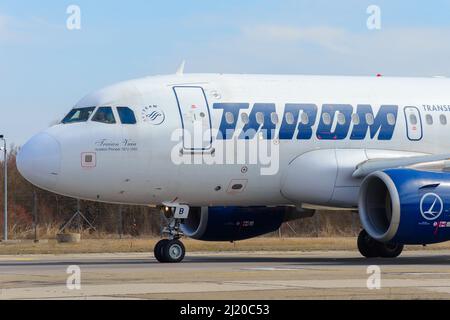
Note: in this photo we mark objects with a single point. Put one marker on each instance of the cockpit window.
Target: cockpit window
(78, 115)
(104, 115)
(126, 115)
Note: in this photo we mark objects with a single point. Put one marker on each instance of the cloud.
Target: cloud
(12, 30)
(4, 27)
(334, 39)
(408, 51)
(15, 30)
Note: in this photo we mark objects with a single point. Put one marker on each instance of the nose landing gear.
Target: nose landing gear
(371, 248)
(172, 250)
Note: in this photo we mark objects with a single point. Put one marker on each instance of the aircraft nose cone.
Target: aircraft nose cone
(39, 161)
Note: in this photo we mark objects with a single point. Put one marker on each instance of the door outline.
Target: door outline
(182, 119)
(419, 123)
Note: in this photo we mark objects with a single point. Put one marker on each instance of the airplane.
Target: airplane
(231, 157)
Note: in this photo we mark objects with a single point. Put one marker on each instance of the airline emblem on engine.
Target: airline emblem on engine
(431, 206)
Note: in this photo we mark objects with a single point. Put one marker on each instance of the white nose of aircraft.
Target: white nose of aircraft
(39, 160)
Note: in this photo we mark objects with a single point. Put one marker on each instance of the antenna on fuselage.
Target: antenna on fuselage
(180, 70)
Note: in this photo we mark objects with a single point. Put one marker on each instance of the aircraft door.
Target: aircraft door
(195, 118)
(413, 123)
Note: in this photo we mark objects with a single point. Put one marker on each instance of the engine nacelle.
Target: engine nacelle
(406, 206)
(237, 223)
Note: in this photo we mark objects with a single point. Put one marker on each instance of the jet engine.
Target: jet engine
(406, 206)
(237, 223)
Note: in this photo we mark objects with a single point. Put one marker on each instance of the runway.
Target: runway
(244, 275)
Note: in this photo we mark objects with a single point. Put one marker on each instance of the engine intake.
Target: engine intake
(406, 206)
(379, 207)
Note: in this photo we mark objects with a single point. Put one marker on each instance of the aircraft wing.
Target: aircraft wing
(430, 162)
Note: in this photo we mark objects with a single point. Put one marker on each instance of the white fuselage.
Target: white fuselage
(313, 156)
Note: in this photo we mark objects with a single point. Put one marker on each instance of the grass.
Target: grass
(146, 245)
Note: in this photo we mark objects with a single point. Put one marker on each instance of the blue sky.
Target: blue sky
(45, 68)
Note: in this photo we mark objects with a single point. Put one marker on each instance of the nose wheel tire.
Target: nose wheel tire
(169, 251)
(158, 250)
(371, 248)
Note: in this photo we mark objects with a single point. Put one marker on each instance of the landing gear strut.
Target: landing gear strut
(371, 248)
(172, 250)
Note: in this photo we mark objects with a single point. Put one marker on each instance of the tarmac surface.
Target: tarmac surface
(243, 275)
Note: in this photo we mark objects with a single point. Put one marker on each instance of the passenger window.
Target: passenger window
(260, 118)
(274, 118)
(413, 119)
(126, 115)
(104, 115)
(289, 118)
(429, 118)
(245, 118)
(443, 119)
(304, 118)
(370, 119)
(341, 118)
(391, 119)
(78, 115)
(355, 119)
(326, 118)
(229, 117)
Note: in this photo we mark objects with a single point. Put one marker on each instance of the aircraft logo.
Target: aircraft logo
(431, 206)
(153, 115)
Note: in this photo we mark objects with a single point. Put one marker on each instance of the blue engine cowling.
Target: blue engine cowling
(406, 206)
(235, 223)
